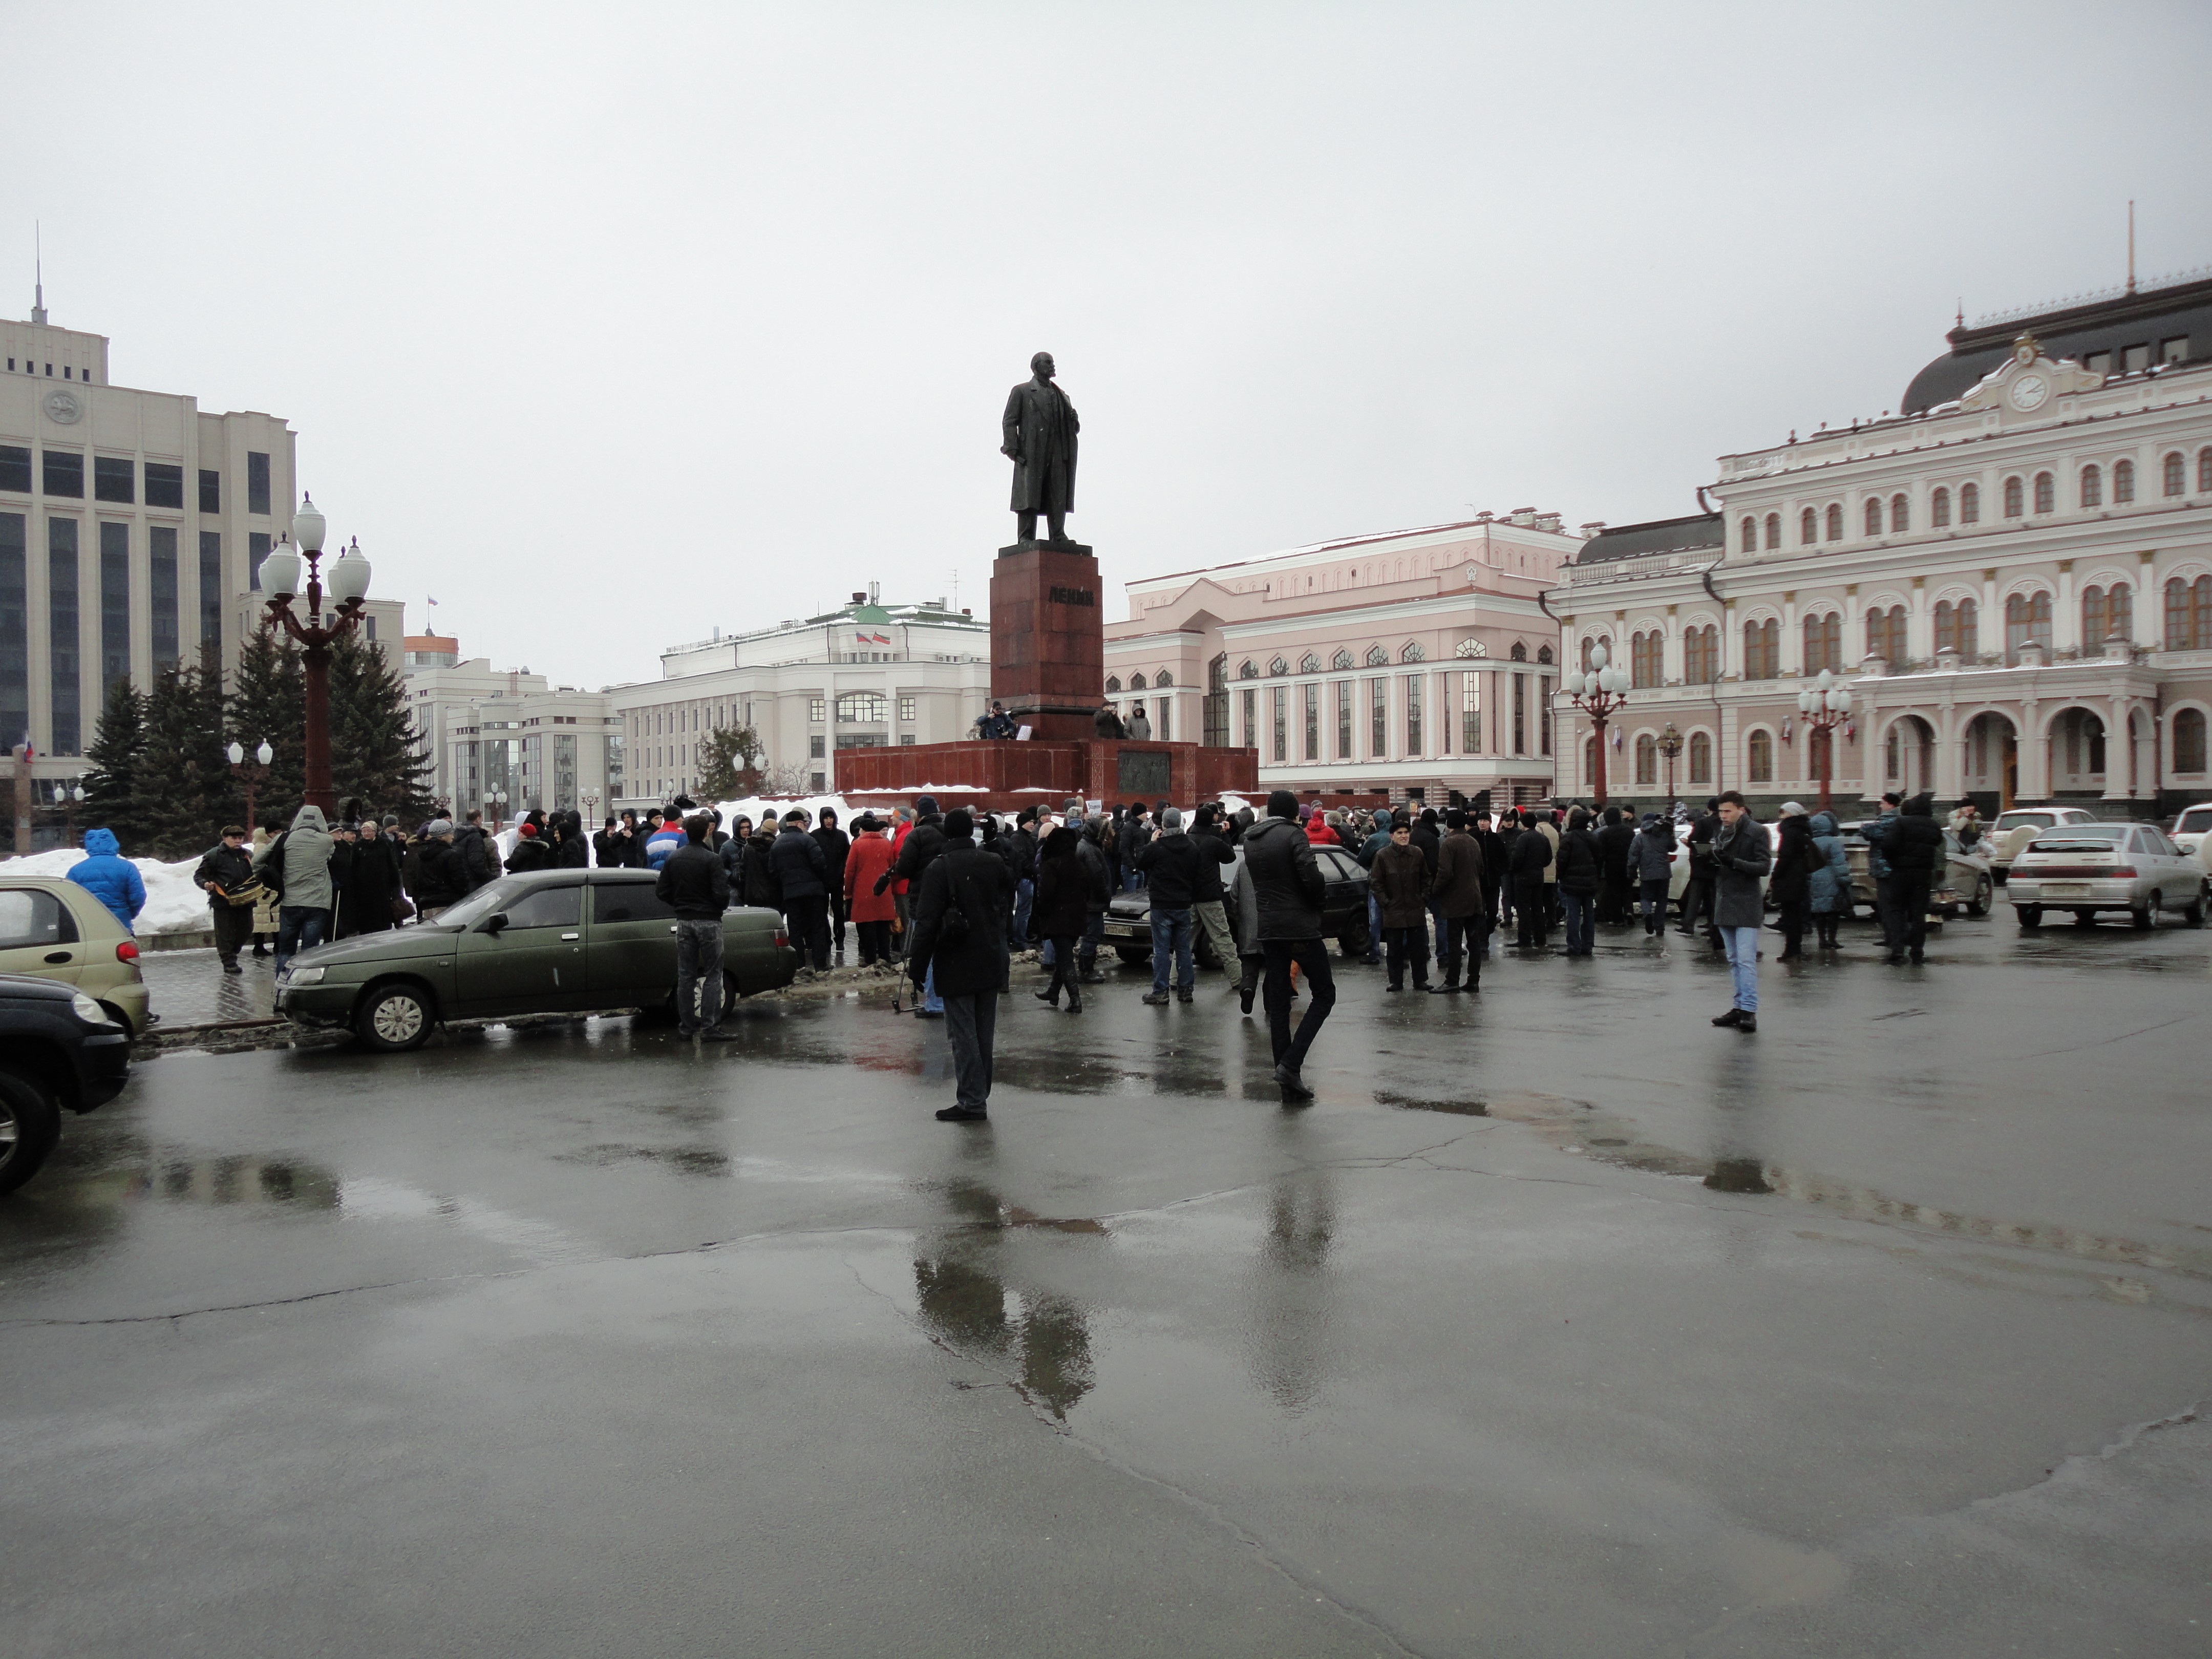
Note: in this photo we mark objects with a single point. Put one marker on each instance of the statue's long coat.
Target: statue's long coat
(1040, 428)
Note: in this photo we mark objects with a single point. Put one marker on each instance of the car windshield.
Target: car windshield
(481, 903)
(2035, 820)
(2195, 821)
(2087, 837)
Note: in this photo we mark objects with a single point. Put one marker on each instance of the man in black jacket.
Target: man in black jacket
(1021, 851)
(923, 845)
(1911, 844)
(1208, 907)
(1136, 831)
(802, 876)
(693, 883)
(1698, 899)
(477, 862)
(835, 845)
(1169, 861)
(228, 868)
(960, 946)
(1288, 889)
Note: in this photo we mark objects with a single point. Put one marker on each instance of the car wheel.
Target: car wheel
(30, 1124)
(1985, 896)
(2031, 916)
(1353, 944)
(2194, 915)
(1135, 955)
(394, 1018)
(2145, 916)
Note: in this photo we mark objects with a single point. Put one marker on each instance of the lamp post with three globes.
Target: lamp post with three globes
(349, 585)
(1826, 705)
(1599, 694)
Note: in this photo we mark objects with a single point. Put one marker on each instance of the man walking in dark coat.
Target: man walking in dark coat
(1169, 861)
(835, 847)
(1615, 843)
(1288, 889)
(694, 884)
(1909, 845)
(960, 943)
(1458, 896)
(802, 876)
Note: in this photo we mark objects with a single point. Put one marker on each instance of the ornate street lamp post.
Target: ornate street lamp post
(253, 774)
(496, 800)
(1670, 744)
(1599, 694)
(1826, 705)
(349, 585)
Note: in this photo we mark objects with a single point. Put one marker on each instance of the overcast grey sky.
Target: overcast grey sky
(610, 325)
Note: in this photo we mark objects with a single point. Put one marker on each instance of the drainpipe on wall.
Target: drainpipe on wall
(1720, 746)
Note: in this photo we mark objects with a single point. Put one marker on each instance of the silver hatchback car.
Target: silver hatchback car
(2089, 867)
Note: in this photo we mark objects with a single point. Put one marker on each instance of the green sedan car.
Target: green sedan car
(553, 941)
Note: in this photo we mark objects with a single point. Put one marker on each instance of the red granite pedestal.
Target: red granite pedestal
(1049, 640)
(1008, 776)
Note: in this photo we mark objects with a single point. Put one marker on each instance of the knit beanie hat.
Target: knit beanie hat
(958, 824)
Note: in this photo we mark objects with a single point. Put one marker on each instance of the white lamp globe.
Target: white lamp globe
(1804, 703)
(1597, 656)
(1574, 685)
(238, 754)
(308, 526)
(280, 572)
(348, 577)
(1839, 702)
(1827, 678)
(265, 754)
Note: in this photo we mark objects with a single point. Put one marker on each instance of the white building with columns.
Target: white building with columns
(2013, 575)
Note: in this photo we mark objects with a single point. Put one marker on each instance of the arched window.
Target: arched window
(1969, 503)
(1647, 759)
(1773, 531)
(2028, 622)
(1762, 649)
(1955, 628)
(1590, 643)
(2123, 482)
(2046, 492)
(2189, 614)
(1701, 757)
(2204, 470)
(1750, 533)
(1163, 679)
(2093, 487)
(1520, 651)
(2016, 499)
(1543, 654)
(1809, 527)
(1277, 666)
(1759, 757)
(1310, 664)
(1589, 757)
(1414, 652)
(1939, 509)
(2104, 614)
(1900, 515)
(1886, 633)
(1644, 661)
(1248, 670)
(1114, 681)
(1835, 530)
(1873, 516)
(1824, 643)
(1701, 655)
(2189, 740)
(1137, 680)
(1376, 656)
(2174, 474)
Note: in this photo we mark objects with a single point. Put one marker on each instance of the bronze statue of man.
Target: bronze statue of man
(1039, 429)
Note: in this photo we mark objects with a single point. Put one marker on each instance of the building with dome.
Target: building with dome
(2012, 576)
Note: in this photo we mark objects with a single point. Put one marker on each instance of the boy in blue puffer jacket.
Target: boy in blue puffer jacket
(109, 877)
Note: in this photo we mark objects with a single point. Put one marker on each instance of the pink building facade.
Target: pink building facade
(1419, 664)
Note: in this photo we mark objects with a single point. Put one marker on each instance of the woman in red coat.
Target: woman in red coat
(871, 911)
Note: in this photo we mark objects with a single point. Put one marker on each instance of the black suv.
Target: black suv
(57, 1048)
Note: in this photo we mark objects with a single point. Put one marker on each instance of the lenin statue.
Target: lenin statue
(1040, 428)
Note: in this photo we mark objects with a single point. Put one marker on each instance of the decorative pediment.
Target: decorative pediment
(2025, 382)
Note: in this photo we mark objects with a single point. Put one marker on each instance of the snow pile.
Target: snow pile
(173, 901)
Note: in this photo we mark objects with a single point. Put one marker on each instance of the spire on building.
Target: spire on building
(39, 278)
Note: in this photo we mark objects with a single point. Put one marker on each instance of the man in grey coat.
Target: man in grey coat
(303, 913)
(1742, 857)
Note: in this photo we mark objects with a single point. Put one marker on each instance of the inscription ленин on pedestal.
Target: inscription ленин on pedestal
(1071, 596)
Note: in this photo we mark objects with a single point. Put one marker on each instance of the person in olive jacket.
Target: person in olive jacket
(1399, 881)
(961, 909)
(1458, 896)
(1288, 889)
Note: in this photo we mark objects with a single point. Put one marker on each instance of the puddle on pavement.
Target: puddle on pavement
(685, 1160)
(1584, 1129)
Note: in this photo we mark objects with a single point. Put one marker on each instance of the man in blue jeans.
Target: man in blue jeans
(1742, 857)
(1169, 861)
(303, 913)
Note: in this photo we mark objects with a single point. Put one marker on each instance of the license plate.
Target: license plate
(1128, 930)
(2066, 889)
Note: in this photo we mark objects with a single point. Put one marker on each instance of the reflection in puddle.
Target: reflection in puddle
(1735, 1174)
(962, 1296)
(1293, 1293)
(685, 1160)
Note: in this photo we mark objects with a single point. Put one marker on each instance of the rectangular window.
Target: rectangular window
(114, 604)
(211, 490)
(114, 478)
(1413, 713)
(63, 682)
(1344, 720)
(1378, 719)
(1313, 720)
(1470, 713)
(15, 468)
(1167, 719)
(2173, 351)
(1520, 714)
(1251, 719)
(1544, 710)
(64, 473)
(816, 748)
(257, 549)
(2134, 357)
(15, 629)
(165, 484)
(905, 708)
(905, 737)
(161, 589)
(1280, 696)
(816, 709)
(211, 588)
(257, 483)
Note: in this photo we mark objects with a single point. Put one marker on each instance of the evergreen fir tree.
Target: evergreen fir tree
(119, 743)
(268, 702)
(182, 789)
(374, 755)
(729, 764)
